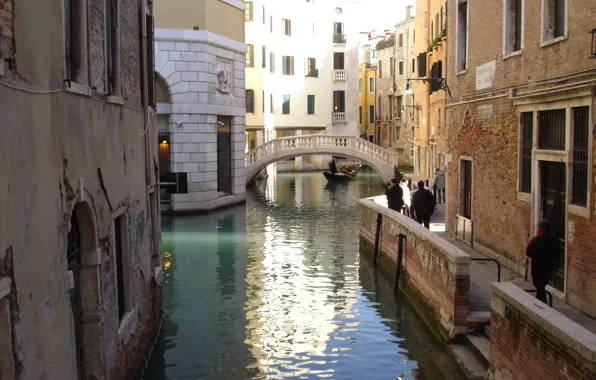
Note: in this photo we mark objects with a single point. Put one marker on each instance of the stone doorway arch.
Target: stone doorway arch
(83, 273)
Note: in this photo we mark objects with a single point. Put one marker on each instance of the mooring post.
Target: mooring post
(400, 255)
(377, 237)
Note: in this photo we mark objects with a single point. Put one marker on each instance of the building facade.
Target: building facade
(302, 69)
(521, 134)
(80, 249)
(385, 90)
(367, 84)
(429, 95)
(199, 61)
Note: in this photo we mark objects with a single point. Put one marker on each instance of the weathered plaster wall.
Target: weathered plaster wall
(60, 149)
(436, 274)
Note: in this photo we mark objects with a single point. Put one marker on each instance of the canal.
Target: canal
(278, 289)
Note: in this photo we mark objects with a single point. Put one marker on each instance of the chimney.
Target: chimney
(408, 12)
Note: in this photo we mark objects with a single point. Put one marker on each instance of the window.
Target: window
(250, 101)
(551, 129)
(391, 66)
(425, 20)
(264, 16)
(75, 55)
(371, 84)
(462, 35)
(339, 101)
(554, 20)
(373, 53)
(272, 62)
(465, 205)
(432, 30)
(311, 29)
(113, 46)
(286, 105)
(421, 65)
(360, 86)
(439, 122)
(122, 266)
(248, 12)
(581, 136)
(264, 57)
(360, 115)
(271, 108)
(287, 65)
(413, 65)
(401, 40)
(149, 43)
(250, 55)
(338, 61)
(338, 33)
(513, 26)
(311, 104)
(311, 68)
(437, 26)
(380, 69)
(371, 114)
(263, 101)
(526, 124)
(287, 27)
(399, 105)
(401, 68)
(270, 24)
(436, 71)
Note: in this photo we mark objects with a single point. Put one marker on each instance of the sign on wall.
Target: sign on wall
(485, 74)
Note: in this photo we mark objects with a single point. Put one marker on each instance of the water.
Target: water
(277, 289)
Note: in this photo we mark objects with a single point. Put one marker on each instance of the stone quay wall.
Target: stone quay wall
(531, 342)
(435, 274)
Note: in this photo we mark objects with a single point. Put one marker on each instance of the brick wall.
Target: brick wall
(436, 274)
(530, 342)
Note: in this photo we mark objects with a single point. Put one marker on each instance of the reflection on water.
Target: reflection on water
(278, 290)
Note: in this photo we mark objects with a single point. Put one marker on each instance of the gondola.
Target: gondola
(340, 177)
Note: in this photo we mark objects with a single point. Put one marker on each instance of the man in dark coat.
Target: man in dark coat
(543, 250)
(332, 166)
(423, 205)
(395, 196)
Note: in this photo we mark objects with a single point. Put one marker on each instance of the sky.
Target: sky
(382, 14)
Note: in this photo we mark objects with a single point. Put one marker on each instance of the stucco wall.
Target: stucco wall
(61, 148)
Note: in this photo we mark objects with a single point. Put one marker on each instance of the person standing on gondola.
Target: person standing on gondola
(333, 166)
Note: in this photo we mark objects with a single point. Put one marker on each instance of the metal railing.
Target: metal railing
(488, 259)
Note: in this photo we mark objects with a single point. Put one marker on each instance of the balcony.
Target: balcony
(339, 75)
(340, 117)
(339, 38)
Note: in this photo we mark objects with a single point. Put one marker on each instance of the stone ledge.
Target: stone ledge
(562, 328)
(454, 253)
(204, 36)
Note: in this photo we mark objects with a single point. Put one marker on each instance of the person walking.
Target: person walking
(407, 197)
(395, 195)
(423, 205)
(544, 250)
(439, 186)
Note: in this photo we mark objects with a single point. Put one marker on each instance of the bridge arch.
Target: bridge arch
(380, 159)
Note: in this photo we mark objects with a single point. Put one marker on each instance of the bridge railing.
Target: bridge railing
(321, 141)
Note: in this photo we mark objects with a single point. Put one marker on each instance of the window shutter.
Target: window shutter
(291, 65)
(421, 65)
(284, 65)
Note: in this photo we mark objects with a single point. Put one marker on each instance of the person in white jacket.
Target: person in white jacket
(407, 197)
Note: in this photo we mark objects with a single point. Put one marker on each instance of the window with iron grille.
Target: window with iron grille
(526, 124)
(581, 136)
(250, 101)
(248, 12)
(551, 129)
(287, 65)
(250, 56)
(286, 105)
(311, 104)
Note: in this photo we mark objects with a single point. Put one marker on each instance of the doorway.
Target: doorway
(553, 191)
(224, 155)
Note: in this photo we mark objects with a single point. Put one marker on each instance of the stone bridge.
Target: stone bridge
(380, 159)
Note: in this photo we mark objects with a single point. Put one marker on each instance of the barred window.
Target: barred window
(551, 129)
(581, 135)
(526, 124)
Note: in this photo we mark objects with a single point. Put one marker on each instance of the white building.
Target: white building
(199, 61)
(301, 68)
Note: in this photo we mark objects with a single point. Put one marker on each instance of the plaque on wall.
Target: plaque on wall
(224, 76)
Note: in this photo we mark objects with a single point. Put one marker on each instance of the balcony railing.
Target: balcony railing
(339, 75)
(340, 118)
(339, 38)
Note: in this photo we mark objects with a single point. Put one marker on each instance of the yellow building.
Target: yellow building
(429, 97)
(367, 87)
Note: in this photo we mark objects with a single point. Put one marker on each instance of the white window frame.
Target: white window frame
(459, 71)
(545, 40)
(509, 28)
